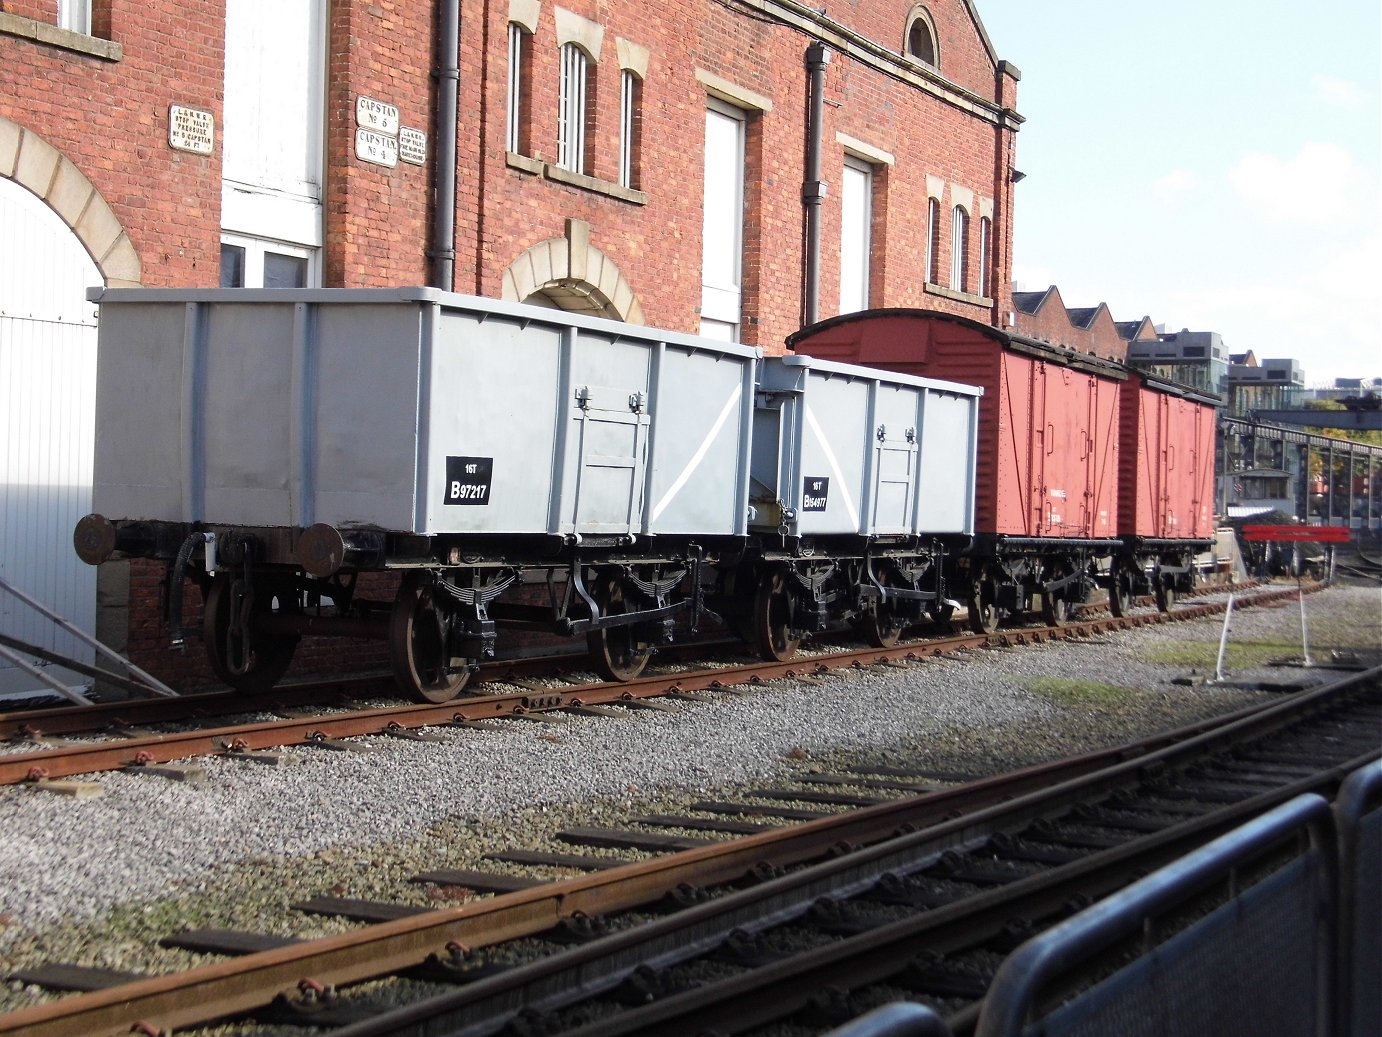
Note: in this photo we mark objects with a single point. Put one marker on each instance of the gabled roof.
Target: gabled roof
(1084, 316)
(1032, 302)
(983, 33)
(1136, 330)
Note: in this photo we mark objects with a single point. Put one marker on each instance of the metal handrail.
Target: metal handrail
(899, 1019)
(1359, 796)
(1061, 949)
(153, 683)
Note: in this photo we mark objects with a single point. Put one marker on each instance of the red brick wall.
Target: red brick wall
(657, 246)
(111, 120)
(377, 218)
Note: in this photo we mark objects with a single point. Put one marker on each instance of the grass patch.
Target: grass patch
(1067, 692)
(1205, 654)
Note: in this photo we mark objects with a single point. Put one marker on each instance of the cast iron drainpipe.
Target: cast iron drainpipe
(448, 80)
(813, 191)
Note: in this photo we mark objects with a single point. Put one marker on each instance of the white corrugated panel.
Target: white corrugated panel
(47, 418)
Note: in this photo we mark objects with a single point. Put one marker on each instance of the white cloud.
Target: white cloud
(1310, 310)
(1338, 92)
(1318, 187)
(1174, 184)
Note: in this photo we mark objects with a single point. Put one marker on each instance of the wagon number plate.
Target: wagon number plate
(815, 493)
(468, 479)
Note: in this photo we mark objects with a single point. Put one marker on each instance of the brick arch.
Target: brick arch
(572, 274)
(34, 164)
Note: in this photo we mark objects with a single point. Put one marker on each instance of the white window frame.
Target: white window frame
(629, 84)
(722, 298)
(256, 249)
(933, 238)
(959, 247)
(985, 233)
(856, 234)
(572, 103)
(518, 42)
(75, 16)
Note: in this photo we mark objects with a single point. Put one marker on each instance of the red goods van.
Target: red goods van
(1048, 420)
(1167, 488)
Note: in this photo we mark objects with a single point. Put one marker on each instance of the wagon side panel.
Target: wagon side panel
(493, 398)
(702, 413)
(138, 460)
(948, 441)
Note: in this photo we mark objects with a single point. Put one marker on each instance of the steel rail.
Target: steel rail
(72, 760)
(240, 985)
(771, 992)
(34, 724)
(775, 991)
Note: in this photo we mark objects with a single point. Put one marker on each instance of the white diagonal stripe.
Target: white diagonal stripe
(834, 468)
(730, 405)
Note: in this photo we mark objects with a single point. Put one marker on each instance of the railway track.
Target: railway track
(134, 746)
(933, 892)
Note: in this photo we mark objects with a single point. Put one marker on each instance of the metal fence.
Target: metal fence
(1296, 954)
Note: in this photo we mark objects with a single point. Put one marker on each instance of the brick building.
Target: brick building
(734, 169)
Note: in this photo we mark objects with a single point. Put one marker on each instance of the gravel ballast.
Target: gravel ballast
(100, 880)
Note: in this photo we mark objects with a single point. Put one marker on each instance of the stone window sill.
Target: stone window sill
(950, 293)
(66, 39)
(550, 171)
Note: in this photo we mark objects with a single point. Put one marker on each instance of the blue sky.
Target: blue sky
(1212, 164)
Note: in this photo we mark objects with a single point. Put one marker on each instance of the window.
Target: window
(573, 108)
(630, 127)
(855, 219)
(75, 15)
(933, 241)
(258, 263)
(520, 56)
(921, 37)
(722, 239)
(273, 141)
(985, 231)
(959, 249)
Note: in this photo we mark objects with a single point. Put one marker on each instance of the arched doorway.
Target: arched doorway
(47, 426)
(569, 273)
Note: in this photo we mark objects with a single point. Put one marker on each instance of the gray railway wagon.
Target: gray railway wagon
(844, 450)
(867, 479)
(413, 410)
(276, 442)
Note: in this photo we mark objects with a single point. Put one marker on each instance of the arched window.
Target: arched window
(985, 232)
(573, 108)
(921, 37)
(630, 127)
(933, 241)
(959, 249)
(520, 65)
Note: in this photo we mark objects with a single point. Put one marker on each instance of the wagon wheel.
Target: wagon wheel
(417, 644)
(983, 606)
(942, 613)
(248, 660)
(1055, 608)
(882, 626)
(773, 609)
(616, 653)
(1165, 594)
(1120, 594)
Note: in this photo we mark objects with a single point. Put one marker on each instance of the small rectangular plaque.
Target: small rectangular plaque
(190, 129)
(468, 480)
(412, 146)
(376, 148)
(815, 493)
(376, 115)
